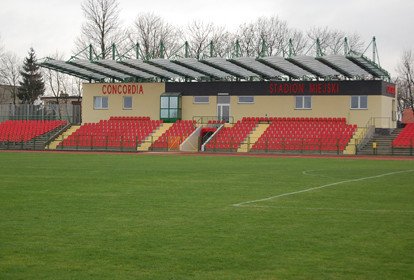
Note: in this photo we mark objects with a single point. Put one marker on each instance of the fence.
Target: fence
(332, 146)
(116, 143)
(68, 112)
(295, 145)
(269, 145)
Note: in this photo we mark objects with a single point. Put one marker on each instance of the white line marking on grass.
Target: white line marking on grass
(310, 173)
(321, 187)
(332, 209)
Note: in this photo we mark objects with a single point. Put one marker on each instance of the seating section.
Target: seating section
(26, 130)
(230, 138)
(406, 137)
(317, 134)
(175, 135)
(115, 133)
(282, 134)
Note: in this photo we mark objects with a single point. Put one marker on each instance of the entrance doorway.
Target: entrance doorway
(223, 107)
(223, 112)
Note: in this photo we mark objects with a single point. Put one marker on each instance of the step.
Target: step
(252, 138)
(53, 145)
(146, 144)
(384, 143)
(350, 149)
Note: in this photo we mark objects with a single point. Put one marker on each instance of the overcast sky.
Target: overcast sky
(53, 25)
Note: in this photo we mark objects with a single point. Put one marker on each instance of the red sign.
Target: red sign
(304, 88)
(390, 89)
(122, 89)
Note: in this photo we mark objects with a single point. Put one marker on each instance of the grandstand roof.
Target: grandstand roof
(196, 65)
(217, 68)
(344, 65)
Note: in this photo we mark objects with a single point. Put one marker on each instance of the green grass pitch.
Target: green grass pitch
(131, 216)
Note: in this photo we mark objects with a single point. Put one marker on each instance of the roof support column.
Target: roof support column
(90, 52)
(346, 46)
(187, 49)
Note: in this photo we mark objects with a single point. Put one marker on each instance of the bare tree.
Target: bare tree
(101, 27)
(331, 41)
(56, 83)
(355, 42)
(405, 82)
(10, 72)
(222, 42)
(150, 31)
(208, 39)
(73, 87)
(324, 35)
(299, 42)
(265, 36)
(61, 87)
(273, 34)
(247, 39)
(199, 36)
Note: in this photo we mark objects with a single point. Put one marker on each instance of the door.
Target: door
(223, 107)
(223, 112)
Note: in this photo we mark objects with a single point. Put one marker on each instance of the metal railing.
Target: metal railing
(296, 145)
(276, 145)
(206, 119)
(115, 143)
(384, 122)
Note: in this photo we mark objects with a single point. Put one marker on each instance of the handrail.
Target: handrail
(211, 137)
(205, 119)
(370, 130)
(57, 133)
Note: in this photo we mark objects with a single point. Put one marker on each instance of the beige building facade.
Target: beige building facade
(360, 102)
(142, 99)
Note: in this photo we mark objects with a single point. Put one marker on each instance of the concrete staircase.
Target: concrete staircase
(252, 137)
(384, 144)
(53, 145)
(350, 149)
(146, 144)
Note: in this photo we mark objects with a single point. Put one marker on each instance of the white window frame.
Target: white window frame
(244, 102)
(197, 102)
(303, 97)
(359, 102)
(223, 94)
(99, 106)
(123, 103)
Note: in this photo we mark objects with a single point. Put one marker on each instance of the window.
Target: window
(201, 99)
(173, 102)
(170, 107)
(100, 102)
(164, 113)
(359, 102)
(246, 99)
(164, 102)
(303, 102)
(223, 99)
(174, 113)
(127, 102)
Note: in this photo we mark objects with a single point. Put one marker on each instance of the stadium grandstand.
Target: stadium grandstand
(296, 103)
